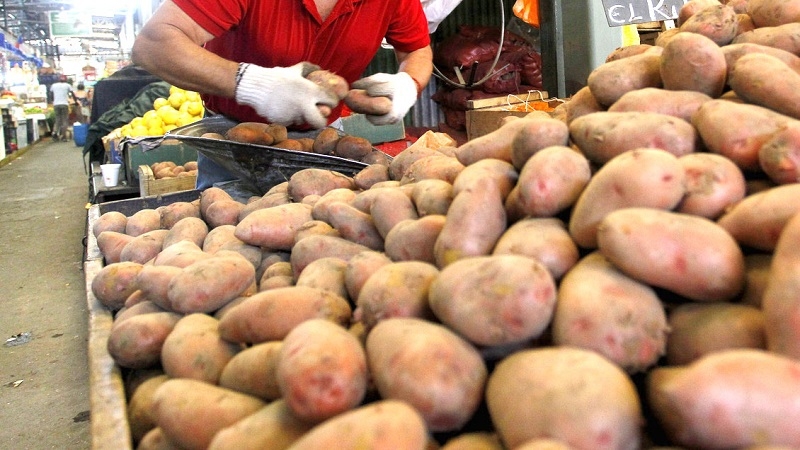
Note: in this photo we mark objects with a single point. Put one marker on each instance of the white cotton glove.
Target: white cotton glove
(283, 95)
(400, 88)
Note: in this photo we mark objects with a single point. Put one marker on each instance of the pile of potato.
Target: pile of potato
(171, 169)
(621, 273)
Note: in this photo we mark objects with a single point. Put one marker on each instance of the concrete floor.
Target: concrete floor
(44, 383)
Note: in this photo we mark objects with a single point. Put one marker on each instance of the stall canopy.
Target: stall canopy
(13, 49)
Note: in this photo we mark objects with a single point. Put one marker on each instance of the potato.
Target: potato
(766, 13)
(610, 81)
(714, 183)
(154, 281)
(316, 181)
(779, 157)
(277, 131)
(734, 398)
(501, 173)
(389, 208)
(374, 173)
(644, 177)
(781, 95)
(601, 309)
(181, 254)
(737, 130)
(448, 373)
(321, 370)
(326, 274)
(539, 134)
(432, 196)
(110, 221)
(144, 247)
(354, 225)
(603, 135)
(399, 289)
(273, 228)
(699, 329)
(330, 82)
(318, 246)
(414, 239)
(733, 52)
(360, 267)
(194, 349)
(680, 104)
(253, 371)
(693, 62)
(273, 427)
(320, 210)
(208, 284)
(325, 141)
(268, 200)
(189, 228)
(543, 239)
(142, 221)
(758, 220)
(627, 50)
(289, 144)
(250, 133)
(270, 315)
(565, 393)
(115, 282)
(437, 166)
(136, 342)
(380, 425)
(689, 255)
(173, 212)
(360, 102)
(496, 144)
(140, 407)
(352, 147)
(376, 157)
(778, 36)
(581, 103)
(314, 227)
(223, 212)
(716, 22)
(780, 301)
(401, 162)
(176, 409)
(550, 182)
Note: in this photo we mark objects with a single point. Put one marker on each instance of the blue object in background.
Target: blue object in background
(79, 132)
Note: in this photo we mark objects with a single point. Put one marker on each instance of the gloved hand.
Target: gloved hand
(283, 95)
(400, 88)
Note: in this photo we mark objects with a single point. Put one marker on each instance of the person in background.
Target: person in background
(249, 58)
(81, 103)
(62, 97)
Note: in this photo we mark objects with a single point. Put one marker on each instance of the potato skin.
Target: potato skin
(358, 101)
(195, 350)
(543, 239)
(250, 133)
(272, 426)
(680, 104)
(780, 301)
(115, 282)
(610, 81)
(207, 285)
(782, 94)
(689, 255)
(136, 343)
(399, 289)
(758, 220)
(694, 62)
(716, 22)
(253, 371)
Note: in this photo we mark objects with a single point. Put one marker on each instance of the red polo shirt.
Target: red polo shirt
(284, 32)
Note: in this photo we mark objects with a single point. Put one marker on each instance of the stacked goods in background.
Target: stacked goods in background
(620, 273)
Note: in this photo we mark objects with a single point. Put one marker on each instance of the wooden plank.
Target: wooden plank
(509, 99)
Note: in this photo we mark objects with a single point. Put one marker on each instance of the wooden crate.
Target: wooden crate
(485, 115)
(149, 185)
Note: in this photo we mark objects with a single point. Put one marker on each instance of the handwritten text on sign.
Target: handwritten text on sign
(624, 12)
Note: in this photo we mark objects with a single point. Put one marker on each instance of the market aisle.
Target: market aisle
(44, 385)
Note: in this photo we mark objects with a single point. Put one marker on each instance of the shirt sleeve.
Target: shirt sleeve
(216, 17)
(408, 30)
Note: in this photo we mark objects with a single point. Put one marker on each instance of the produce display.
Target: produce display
(180, 108)
(619, 273)
(170, 169)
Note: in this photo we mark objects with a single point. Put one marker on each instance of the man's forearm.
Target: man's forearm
(418, 64)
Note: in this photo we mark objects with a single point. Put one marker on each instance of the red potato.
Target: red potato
(315, 227)
(602, 136)
(692, 7)
(601, 309)
(432, 197)
(779, 36)
(699, 329)
(689, 255)
(253, 371)
(757, 268)
(581, 103)
(181, 254)
(136, 342)
(474, 222)
(494, 300)
(374, 173)
(496, 144)
(734, 398)
(644, 177)
(449, 373)
(189, 228)
(770, 13)
(360, 267)
(611, 80)
(626, 51)
(414, 239)
(321, 370)
(209, 196)
(273, 228)
(209, 284)
(781, 303)
(326, 274)
(550, 182)
(273, 427)
(319, 246)
(400, 164)
(680, 104)
(502, 173)
(270, 315)
(438, 166)
(389, 208)
(316, 181)
(779, 157)
(144, 247)
(174, 212)
(665, 36)
(354, 225)
(223, 212)
(380, 425)
(733, 52)
(543, 239)
(111, 244)
(154, 280)
(399, 289)
(538, 134)
(573, 395)
(713, 184)
(142, 221)
(155, 439)
(268, 200)
(115, 282)
(782, 95)
(319, 211)
(110, 221)
(175, 408)
(737, 130)
(693, 62)
(139, 408)
(758, 220)
(194, 349)
(716, 22)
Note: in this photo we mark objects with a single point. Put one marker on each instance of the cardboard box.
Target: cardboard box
(149, 185)
(484, 116)
(358, 125)
(150, 150)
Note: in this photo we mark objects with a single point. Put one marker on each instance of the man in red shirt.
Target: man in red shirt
(248, 57)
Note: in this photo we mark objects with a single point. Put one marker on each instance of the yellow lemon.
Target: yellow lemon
(153, 122)
(138, 131)
(169, 127)
(136, 121)
(159, 102)
(168, 114)
(155, 131)
(184, 118)
(173, 89)
(176, 99)
(194, 108)
(125, 130)
(192, 96)
(149, 115)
